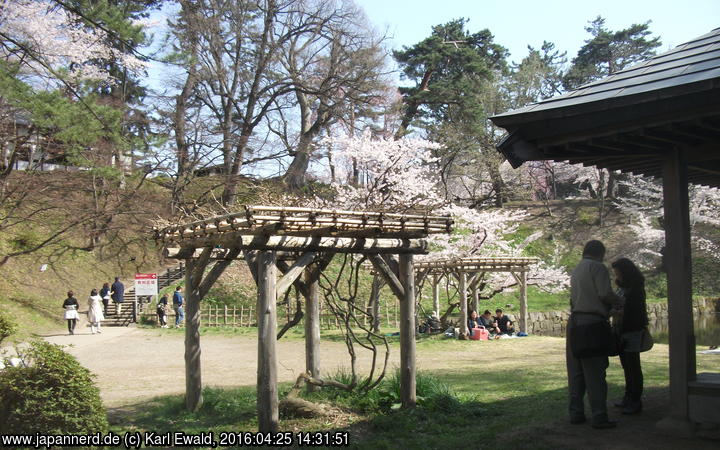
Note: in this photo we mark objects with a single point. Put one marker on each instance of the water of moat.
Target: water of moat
(707, 330)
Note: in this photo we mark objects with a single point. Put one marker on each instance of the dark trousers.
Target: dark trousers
(161, 317)
(586, 375)
(71, 325)
(633, 375)
(106, 302)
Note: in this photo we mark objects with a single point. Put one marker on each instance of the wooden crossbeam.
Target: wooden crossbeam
(388, 275)
(293, 272)
(300, 244)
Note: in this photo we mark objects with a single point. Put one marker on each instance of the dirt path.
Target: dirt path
(132, 363)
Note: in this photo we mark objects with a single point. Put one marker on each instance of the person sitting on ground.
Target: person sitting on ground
(487, 322)
(473, 321)
(503, 322)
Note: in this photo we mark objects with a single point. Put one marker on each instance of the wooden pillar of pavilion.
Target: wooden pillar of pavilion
(312, 328)
(679, 283)
(436, 295)
(407, 332)
(523, 319)
(267, 394)
(475, 294)
(462, 291)
(193, 372)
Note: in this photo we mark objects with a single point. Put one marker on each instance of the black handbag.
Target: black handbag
(593, 339)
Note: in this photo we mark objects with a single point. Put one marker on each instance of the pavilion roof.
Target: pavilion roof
(627, 120)
(254, 223)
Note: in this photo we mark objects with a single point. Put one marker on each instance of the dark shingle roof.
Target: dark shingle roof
(627, 121)
(693, 61)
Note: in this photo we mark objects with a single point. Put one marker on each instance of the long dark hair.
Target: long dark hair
(632, 277)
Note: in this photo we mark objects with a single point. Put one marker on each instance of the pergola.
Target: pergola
(295, 241)
(659, 118)
(469, 273)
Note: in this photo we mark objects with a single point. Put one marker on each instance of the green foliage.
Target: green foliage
(52, 394)
(8, 327)
(610, 51)
(432, 394)
(587, 215)
(454, 61)
(77, 124)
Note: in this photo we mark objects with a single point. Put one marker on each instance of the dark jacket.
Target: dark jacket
(473, 323)
(71, 301)
(634, 316)
(118, 292)
(504, 324)
(104, 291)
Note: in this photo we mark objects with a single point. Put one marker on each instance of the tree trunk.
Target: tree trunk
(295, 175)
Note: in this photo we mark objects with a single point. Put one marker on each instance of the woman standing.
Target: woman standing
(631, 326)
(71, 315)
(95, 311)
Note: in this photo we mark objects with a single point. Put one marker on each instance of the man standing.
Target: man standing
(178, 306)
(592, 299)
(118, 295)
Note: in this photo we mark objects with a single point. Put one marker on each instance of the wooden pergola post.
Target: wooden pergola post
(267, 394)
(193, 372)
(436, 295)
(475, 294)
(407, 332)
(312, 328)
(523, 302)
(462, 291)
(679, 281)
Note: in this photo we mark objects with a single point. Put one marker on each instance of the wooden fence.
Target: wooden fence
(212, 315)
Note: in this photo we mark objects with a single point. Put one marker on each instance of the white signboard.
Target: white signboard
(146, 284)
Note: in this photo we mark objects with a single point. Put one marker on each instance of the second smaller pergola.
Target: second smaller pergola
(469, 273)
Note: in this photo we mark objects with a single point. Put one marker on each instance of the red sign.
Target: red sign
(146, 284)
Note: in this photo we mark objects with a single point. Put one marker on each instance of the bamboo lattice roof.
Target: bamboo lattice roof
(268, 221)
(477, 264)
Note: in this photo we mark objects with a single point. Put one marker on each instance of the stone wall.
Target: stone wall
(553, 322)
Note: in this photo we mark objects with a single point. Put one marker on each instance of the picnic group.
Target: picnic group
(113, 295)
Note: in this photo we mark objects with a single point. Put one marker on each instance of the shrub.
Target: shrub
(7, 327)
(51, 394)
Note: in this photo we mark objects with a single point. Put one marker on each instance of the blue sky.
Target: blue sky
(517, 23)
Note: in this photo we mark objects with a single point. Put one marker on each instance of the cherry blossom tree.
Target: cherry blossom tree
(403, 176)
(51, 43)
(644, 203)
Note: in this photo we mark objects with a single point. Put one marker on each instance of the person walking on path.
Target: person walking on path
(631, 326)
(162, 311)
(118, 295)
(105, 294)
(95, 311)
(591, 301)
(71, 311)
(178, 306)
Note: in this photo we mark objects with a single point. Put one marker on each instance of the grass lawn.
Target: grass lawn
(478, 397)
